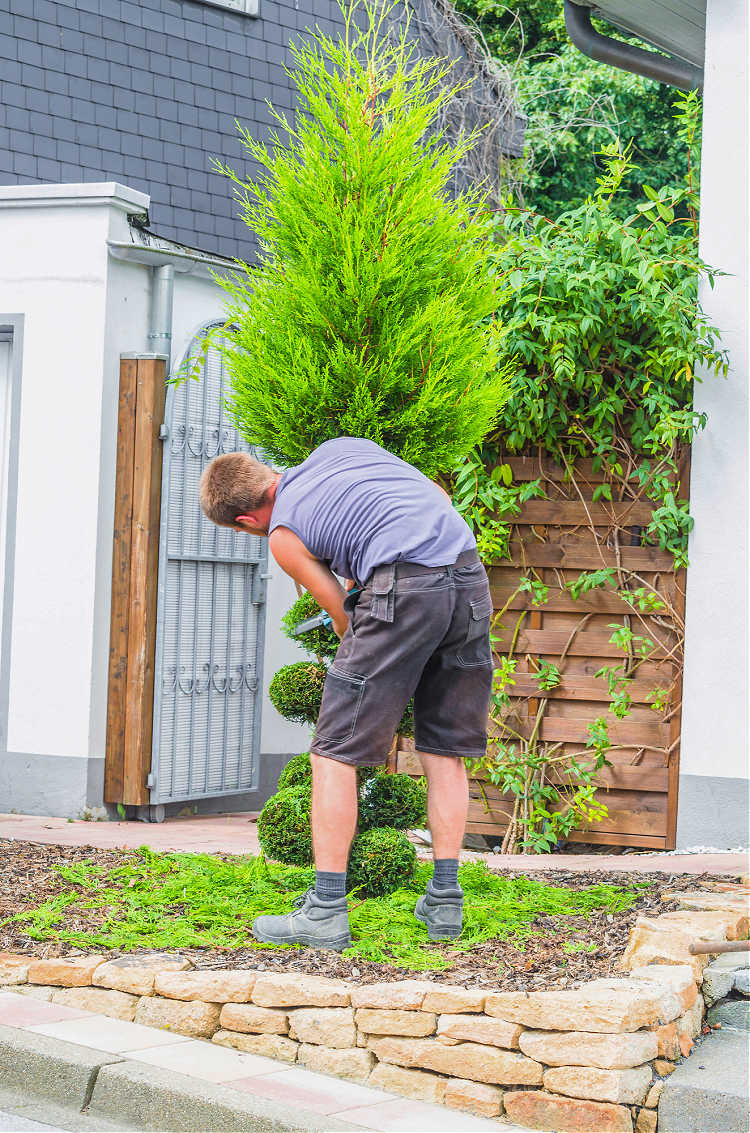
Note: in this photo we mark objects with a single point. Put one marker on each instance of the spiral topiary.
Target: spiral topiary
(381, 860)
(321, 642)
(284, 826)
(392, 800)
(297, 772)
(297, 690)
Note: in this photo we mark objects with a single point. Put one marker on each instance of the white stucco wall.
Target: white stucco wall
(715, 704)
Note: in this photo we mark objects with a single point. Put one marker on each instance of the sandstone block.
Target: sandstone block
(355, 1064)
(652, 1097)
(577, 1048)
(689, 1027)
(277, 989)
(465, 1060)
(258, 1020)
(645, 1122)
(652, 941)
(711, 924)
(199, 1020)
(136, 974)
(732, 901)
(667, 1041)
(14, 968)
(329, 1026)
(401, 995)
(537, 1110)
(35, 991)
(270, 1046)
(115, 1004)
(414, 1084)
(678, 978)
(473, 1097)
(222, 986)
(479, 1029)
(602, 1006)
(625, 1086)
(74, 972)
(663, 1068)
(453, 1000)
(385, 1022)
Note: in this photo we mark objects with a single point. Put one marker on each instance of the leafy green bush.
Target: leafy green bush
(370, 311)
(284, 826)
(392, 800)
(297, 690)
(297, 773)
(381, 860)
(321, 642)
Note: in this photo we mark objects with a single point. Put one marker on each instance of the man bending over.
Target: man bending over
(418, 627)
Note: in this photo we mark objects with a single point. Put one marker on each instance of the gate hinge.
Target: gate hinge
(150, 779)
(163, 431)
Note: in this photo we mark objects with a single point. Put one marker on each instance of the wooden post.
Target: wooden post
(135, 555)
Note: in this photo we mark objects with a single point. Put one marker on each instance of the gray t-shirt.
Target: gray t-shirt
(356, 506)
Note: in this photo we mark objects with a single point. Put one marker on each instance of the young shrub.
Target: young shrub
(370, 312)
(284, 827)
(297, 773)
(297, 690)
(381, 860)
(321, 642)
(392, 800)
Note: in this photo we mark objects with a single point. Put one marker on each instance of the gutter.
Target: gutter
(663, 68)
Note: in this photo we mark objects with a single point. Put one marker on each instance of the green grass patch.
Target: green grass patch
(178, 901)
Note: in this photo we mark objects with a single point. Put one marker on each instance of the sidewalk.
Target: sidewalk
(238, 834)
(142, 1078)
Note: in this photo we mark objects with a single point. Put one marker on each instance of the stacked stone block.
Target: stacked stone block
(590, 1058)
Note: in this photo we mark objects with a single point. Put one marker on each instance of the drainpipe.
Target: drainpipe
(664, 68)
(160, 327)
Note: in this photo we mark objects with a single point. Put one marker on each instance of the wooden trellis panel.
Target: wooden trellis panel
(559, 537)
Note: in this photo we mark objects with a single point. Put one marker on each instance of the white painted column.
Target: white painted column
(713, 805)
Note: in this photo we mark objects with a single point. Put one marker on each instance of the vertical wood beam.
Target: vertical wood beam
(134, 579)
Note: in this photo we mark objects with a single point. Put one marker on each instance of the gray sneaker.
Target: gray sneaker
(316, 923)
(442, 911)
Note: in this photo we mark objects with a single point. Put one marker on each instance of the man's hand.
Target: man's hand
(293, 557)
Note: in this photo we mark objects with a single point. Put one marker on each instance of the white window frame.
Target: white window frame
(244, 7)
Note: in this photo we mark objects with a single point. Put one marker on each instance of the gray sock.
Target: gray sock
(330, 886)
(445, 875)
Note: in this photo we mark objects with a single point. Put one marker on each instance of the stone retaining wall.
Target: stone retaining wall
(590, 1059)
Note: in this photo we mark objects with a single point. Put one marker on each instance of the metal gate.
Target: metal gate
(210, 610)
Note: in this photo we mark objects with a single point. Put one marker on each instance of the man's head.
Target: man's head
(238, 491)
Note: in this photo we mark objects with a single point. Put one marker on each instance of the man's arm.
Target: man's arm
(293, 557)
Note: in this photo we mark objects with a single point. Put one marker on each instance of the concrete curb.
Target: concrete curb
(142, 1097)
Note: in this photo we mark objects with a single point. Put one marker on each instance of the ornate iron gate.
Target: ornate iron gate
(210, 607)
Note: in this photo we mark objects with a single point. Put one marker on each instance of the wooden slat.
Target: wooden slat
(578, 556)
(622, 777)
(120, 607)
(550, 643)
(597, 601)
(573, 513)
(613, 838)
(631, 734)
(578, 689)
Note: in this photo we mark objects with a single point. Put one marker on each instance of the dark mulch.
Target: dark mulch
(27, 879)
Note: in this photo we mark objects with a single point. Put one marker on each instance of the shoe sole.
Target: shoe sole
(337, 944)
(436, 935)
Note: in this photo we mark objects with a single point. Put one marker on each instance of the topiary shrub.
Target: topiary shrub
(381, 860)
(297, 773)
(321, 642)
(297, 690)
(284, 826)
(392, 800)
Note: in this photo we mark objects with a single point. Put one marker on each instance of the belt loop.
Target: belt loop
(383, 581)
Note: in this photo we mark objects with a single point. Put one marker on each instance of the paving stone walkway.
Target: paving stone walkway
(359, 1105)
(238, 834)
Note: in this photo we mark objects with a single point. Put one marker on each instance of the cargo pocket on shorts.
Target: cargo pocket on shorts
(476, 649)
(339, 711)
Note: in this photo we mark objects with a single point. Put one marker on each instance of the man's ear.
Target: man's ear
(247, 520)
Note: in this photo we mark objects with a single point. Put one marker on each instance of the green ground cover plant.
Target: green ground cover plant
(173, 901)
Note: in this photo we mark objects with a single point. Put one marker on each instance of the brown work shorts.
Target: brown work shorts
(413, 631)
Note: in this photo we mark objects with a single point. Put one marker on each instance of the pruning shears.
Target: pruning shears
(322, 620)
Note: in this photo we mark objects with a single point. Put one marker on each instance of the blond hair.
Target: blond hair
(234, 484)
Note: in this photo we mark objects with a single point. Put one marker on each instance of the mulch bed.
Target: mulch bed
(27, 879)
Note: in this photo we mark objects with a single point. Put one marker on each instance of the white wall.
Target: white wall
(715, 705)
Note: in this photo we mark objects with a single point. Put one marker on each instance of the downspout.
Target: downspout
(160, 327)
(663, 68)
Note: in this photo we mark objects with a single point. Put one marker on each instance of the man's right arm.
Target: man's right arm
(293, 557)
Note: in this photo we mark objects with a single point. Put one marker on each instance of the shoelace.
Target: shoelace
(298, 902)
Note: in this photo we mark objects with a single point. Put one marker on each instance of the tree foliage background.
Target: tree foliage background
(575, 106)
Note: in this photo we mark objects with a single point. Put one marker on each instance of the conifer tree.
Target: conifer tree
(369, 312)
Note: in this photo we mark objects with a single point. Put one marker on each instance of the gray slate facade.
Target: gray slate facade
(145, 92)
